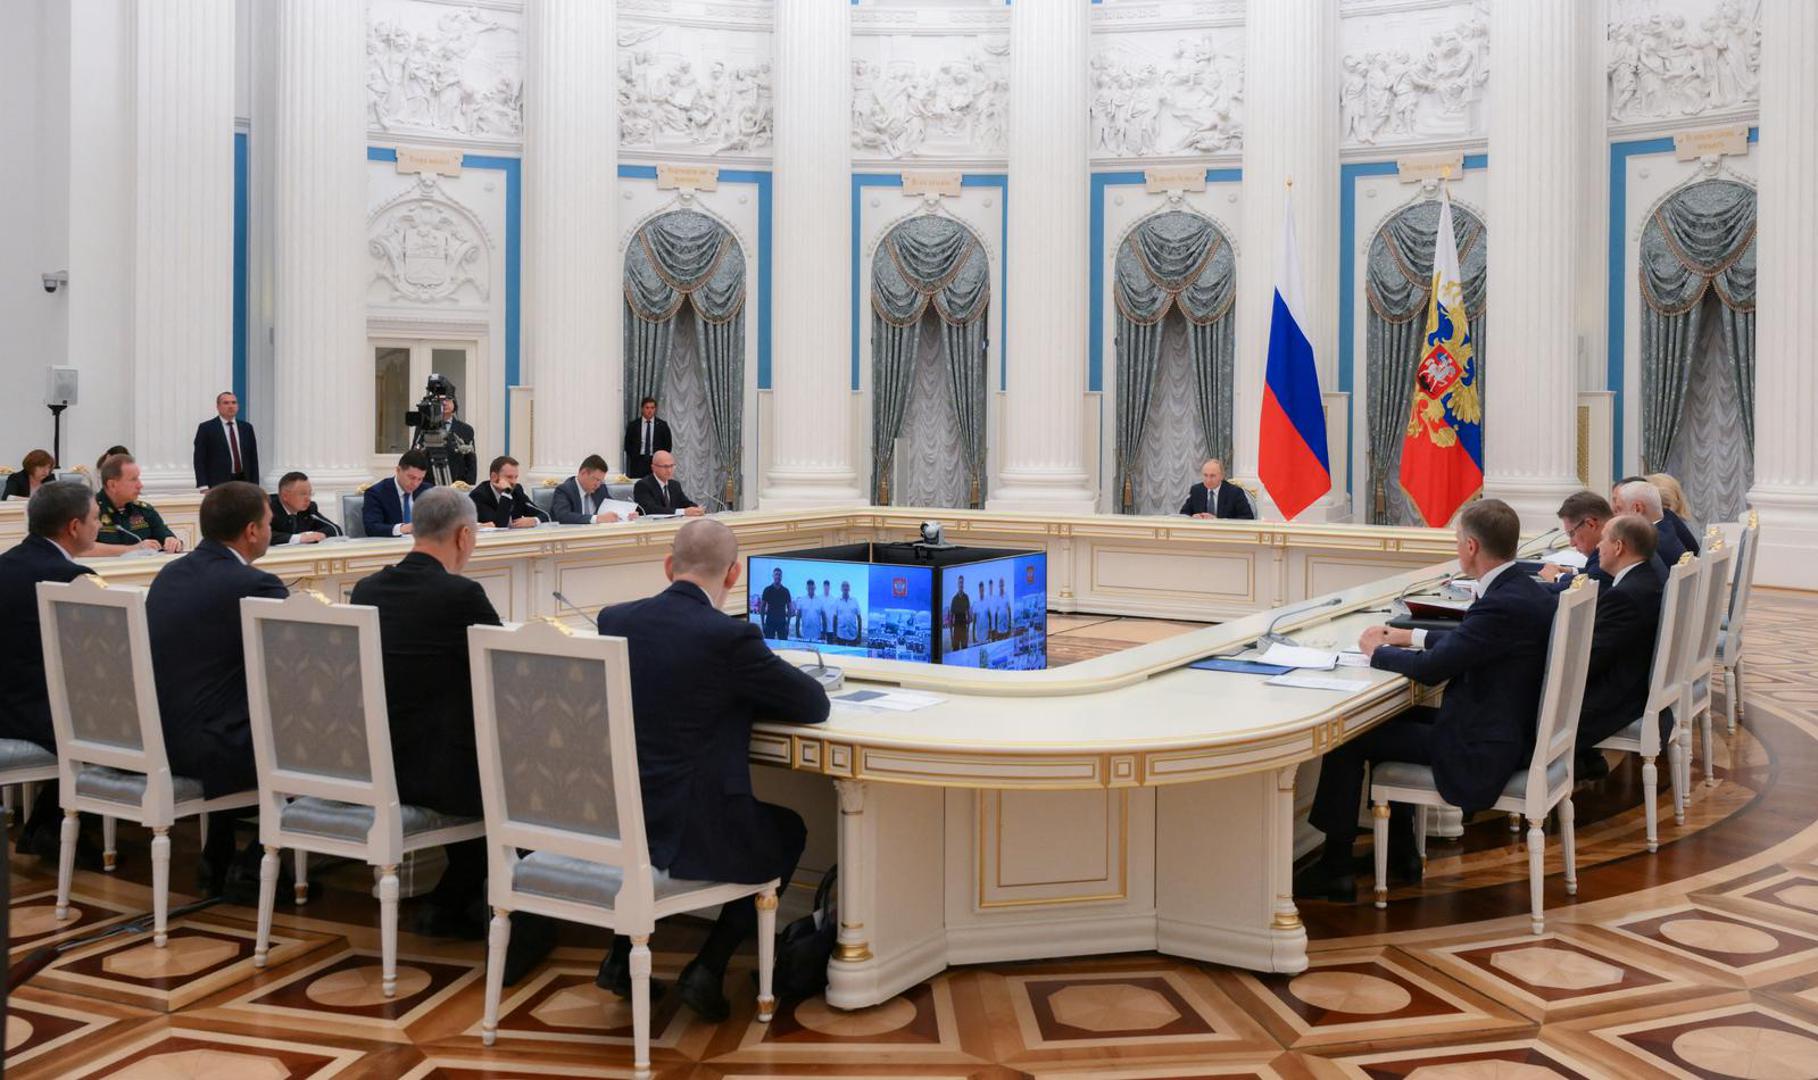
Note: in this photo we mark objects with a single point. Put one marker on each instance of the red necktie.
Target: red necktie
(233, 446)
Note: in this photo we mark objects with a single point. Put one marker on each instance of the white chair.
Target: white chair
(322, 743)
(559, 778)
(28, 764)
(110, 743)
(1729, 643)
(1666, 688)
(1713, 597)
(1533, 791)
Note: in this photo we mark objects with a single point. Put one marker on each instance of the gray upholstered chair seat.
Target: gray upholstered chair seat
(351, 821)
(564, 877)
(1404, 774)
(128, 788)
(20, 754)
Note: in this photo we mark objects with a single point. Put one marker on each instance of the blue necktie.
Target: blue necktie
(407, 508)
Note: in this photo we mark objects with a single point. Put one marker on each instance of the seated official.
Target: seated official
(127, 523)
(193, 614)
(294, 516)
(226, 447)
(34, 472)
(61, 522)
(107, 453)
(1622, 641)
(500, 502)
(1673, 508)
(698, 681)
(1637, 496)
(579, 498)
(660, 492)
(1213, 498)
(1581, 518)
(1483, 730)
(645, 434)
(389, 506)
(463, 460)
(425, 607)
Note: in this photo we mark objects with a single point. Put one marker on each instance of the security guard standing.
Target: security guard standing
(126, 523)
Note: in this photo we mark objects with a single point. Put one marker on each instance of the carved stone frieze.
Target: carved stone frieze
(674, 94)
(427, 246)
(453, 72)
(1435, 89)
(1182, 100)
(957, 105)
(1665, 65)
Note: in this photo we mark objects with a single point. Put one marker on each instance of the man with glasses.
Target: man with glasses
(1581, 517)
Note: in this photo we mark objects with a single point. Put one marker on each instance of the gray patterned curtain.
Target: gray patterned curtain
(1701, 241)
(686, 255)
(1173, 259)
(929, 261)
(1398, 284)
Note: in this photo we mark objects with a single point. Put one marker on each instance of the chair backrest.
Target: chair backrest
(625, 492)
(103, 697)
(78, 473)
(1747, 545)
(1562, 693)
(315, 685)
(353, 504)
(1715, 577)
(1672, 645)
(558, 752)
(544, 496)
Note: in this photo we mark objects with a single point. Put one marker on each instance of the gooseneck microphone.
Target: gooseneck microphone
(570, 605)
(1270, 637)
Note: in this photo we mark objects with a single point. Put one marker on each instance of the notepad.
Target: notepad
(1299, 656)
(1321, 682)
(891, 700)
(1570, 558)
(1245, 667)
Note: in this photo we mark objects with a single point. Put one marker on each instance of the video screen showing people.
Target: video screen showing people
(995, 614)
(842, 607)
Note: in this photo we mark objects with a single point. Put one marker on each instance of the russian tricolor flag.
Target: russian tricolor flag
(1292, 460)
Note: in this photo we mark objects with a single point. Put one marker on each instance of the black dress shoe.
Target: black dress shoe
(700, 990)
(532, 938)
(1405, 870)
(1321, 882)
(46, 842)
(615, 978)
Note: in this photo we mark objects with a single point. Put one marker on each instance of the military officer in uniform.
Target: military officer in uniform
(127, 524)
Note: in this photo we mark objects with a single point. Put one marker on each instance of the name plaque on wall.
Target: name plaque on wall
(932, 182)
(1692, 145)
(1418, 168)
(429, 159)
(688, 177)
(1164, 179)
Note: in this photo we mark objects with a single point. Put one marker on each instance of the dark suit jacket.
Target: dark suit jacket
(193, 613)
(24, 699)
(1687, 538)
(566, 506)
(424, 613)
(1667, 543)
(1232, 503)
(1622, 654)
(1593, 565)
(461, 467)
(1492, 666)
(384, 506)
(285, 524)
(18, 486)
(698, 680)
(502, 512)
(214, 461)
(637, 464)
(649, 496)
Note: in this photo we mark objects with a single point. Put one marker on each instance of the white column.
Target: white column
(1290, 133)
(1536, 160)
(183, 237)
(811, 399)
(322, 371)
(1044, 462)
(572, 310)
(1786, 322)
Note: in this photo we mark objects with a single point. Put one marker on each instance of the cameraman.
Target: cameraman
(463, 459)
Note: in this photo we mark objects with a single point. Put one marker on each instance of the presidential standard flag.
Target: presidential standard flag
(1292, 459)
(1442, 451)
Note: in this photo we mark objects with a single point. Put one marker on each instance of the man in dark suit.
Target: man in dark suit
(645, 434)
(1622, 643)
(1483, 730)
(578, 499)
(193, 614)
(61, 522)
(659, 493)
(698, 681)
(390, 504)
(500, 502)
(425, 607)
(294, 517)
(226, 448)
(1581, 518)
(463, 459)
(1213, 498)
(1637, 496)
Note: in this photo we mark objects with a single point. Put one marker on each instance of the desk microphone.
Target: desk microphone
(830, 678)
(1270, 637)
(1538, 544)
(535, 509)
(722, 506)
(569, 604)
(333, 529)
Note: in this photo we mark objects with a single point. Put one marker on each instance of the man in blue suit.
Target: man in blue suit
(193, 614)
(387, 508)
(698, 681)
(1213, 498)
(1482, 731)
(1637, 496)
(578, 499)
(1622, 642)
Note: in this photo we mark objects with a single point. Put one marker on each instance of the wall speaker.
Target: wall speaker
(60, 387)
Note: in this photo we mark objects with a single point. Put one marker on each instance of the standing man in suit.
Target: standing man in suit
(959, 616)
(501, 502)
(578, 499)
(698, 681)
(645, 434)
(660, 493)
(294, 517)
(1483, 730)
(463, 459)
(61, 522)
(129, 523)
(1622, 642)
(389, 506)
(425, 607)
(1213, 498)
(1637, 496)
(226, 448)
(193, 614)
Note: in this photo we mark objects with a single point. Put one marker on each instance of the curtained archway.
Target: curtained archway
(1697, 276)
(933, 270)
(1398, 286)
(685, 258)
(1174, 386)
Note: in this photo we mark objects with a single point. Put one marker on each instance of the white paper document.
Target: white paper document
(892, 700)
(1320, 682)
(1571, 558)
(1297, 656)
(1353, 659)
(622, 507)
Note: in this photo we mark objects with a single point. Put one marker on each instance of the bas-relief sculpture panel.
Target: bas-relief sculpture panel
(930, 96)
(1415, 75)
(1670, 59)
(1162, 93)
(428, 247)
(688, 89)
(446, 70)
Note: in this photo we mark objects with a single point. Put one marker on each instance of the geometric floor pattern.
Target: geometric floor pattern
(1698, 962)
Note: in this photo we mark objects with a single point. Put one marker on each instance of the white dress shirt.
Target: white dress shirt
(1480, 586)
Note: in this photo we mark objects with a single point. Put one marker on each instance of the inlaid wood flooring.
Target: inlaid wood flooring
(1699, 961)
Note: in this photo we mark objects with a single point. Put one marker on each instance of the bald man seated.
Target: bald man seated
(1213, 498)
(660, 493)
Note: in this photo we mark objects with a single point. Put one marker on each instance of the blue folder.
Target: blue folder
(1246, 667)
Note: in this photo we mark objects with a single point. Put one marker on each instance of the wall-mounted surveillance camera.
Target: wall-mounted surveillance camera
(55, 281)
